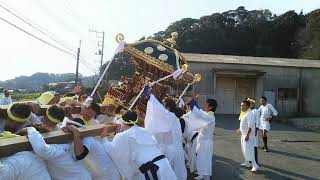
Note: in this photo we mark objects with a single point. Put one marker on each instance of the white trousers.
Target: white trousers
(191, 152)
(204, 157)
(247, 148)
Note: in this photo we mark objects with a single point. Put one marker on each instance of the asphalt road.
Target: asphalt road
(294, 153)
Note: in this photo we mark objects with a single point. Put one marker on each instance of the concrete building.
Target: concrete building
(291, 85)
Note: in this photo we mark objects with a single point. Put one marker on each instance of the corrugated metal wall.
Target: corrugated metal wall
(273, 79)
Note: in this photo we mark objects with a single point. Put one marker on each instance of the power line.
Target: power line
(17, 27)
(81, 19)
(48, 11)
(59, 20)
(10, 11)
(85, 63)
(46, 42)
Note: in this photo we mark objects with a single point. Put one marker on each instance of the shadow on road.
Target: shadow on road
(294, 155)
(276, 173)
(222, 168)
(226, 168)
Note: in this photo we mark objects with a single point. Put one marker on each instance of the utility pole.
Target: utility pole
(100, 44)
(77, 68)
(102, 47)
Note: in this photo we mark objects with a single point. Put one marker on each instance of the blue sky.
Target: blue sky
(69, 21)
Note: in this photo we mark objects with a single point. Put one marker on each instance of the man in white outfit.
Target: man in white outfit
(266, 112)
(60, 160)
(19, 117)
(247, 128)
(136, 154)
(164, 125)
(205, 145)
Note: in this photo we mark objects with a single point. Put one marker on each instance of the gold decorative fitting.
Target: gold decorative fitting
(161, 48)
(119, 37)
(184, 68)
(173, 38)
(163, 57)
(148, 50)
(197, 77)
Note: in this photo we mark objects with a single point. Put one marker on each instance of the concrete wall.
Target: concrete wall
(274, 78)
(311, 91)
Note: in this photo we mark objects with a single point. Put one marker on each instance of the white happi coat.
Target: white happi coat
(166, 127)
(59, 158)
(266, 112)
(134, 147)
(101, 166)
(248, 121)
(204, 141)
(23, 166)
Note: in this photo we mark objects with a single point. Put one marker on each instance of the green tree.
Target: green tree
(247, 33)
(309, 37)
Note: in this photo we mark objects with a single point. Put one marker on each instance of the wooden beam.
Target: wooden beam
(11, 146)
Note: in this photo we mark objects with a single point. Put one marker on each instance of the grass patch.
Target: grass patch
(18, 97)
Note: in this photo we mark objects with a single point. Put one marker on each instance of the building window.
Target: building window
(287, 93)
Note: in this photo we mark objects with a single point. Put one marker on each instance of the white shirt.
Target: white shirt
(165, 126)
(160, 121)
(198, 119)
(59, 158)
(36, 119)
(246, 122)
(23, 166)
(207, 119)
(267, 111)
(98, 160)
(5, 100)
(257, 117)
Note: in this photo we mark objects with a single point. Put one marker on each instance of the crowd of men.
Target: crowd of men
(173, 139)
